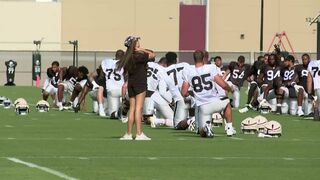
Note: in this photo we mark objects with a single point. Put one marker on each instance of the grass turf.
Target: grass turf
(86, 146)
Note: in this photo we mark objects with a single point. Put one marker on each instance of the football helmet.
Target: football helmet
(2, 98)
(19, 100)
(249, 125)
(261, 121)
(42, 106)
(217, 119)
(21, 106)
(273, 128)
(264, 107)
(7, 103)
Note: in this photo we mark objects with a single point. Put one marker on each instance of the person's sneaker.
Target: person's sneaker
(126, 137)
(77, 108)
(231, 131)
(142, 137)
(61, 108)
(300, 113)
(152, 121)
(208, 129)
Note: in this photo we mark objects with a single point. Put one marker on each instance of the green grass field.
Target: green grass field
(85, 146)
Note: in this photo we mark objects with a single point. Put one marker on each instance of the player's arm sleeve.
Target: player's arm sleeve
(163, 91)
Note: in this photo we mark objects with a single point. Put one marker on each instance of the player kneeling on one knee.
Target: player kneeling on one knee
(202, 79)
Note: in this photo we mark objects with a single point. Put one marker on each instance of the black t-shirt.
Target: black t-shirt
(138, 75)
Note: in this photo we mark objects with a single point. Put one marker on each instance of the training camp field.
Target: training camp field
(66, 145)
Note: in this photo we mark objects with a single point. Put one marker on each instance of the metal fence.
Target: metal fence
(92, 59)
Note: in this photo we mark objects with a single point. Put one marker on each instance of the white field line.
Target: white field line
(48, 170)
(220, 138)
(161, 157)
(236, 138)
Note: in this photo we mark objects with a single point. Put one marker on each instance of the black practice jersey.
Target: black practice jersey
(270, 74)
(302, 73)
(256, 68)
(54, 77)
(238, 74)
(287, 75)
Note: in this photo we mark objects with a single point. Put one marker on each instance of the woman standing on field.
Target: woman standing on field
(134, 64)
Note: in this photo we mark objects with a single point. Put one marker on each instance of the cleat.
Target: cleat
(102, 114)
(192, 125)
(67, 106)
(61, 108)
(231, 131)
(77, 108)
(300, 113)
(142, 137)
(126, 137)
(244, 110)
(208, 129)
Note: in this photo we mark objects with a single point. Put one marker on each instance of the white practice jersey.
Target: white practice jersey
(175, 72)
(114, 79)
(201, 80)
(158, 80)
(314, 69)
(153, 76)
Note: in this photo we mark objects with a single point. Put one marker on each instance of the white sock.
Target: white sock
(229, 125)
(299, 108)
(101, 108)
(278, 105)
(95, 106)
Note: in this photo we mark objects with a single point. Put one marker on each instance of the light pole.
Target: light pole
(317, 20)
(75, 52)
(261, 25)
